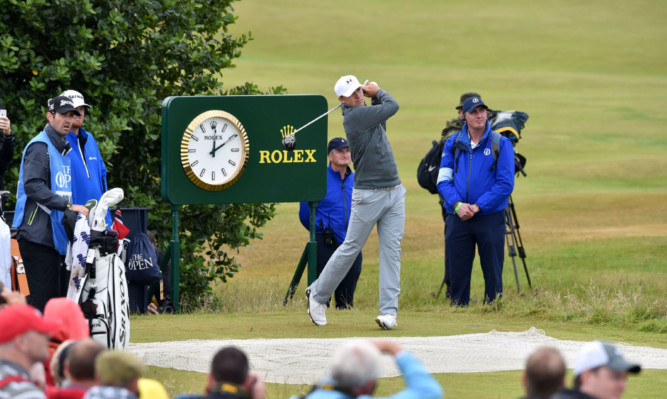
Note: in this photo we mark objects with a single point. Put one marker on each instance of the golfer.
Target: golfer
(378, 199)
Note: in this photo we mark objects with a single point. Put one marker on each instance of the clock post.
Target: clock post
(228, 149)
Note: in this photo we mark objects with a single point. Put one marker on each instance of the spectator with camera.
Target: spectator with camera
(7, 144)
(355, 373)
(332, 217)
(476, 188)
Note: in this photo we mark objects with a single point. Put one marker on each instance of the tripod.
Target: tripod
(514, 242)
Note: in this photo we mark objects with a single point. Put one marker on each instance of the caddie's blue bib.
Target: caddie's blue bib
(61, 184)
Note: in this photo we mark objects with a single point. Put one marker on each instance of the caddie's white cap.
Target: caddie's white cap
(76, 97)
(596, 354)
(346, 85)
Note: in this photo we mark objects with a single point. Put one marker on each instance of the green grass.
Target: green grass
(592, 210)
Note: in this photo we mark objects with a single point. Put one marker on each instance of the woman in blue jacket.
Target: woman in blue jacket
(476, 188)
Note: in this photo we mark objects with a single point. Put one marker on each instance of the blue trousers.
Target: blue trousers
(344, 293)
(487, 233)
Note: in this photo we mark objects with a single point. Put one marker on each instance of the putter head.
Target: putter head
(289, 142)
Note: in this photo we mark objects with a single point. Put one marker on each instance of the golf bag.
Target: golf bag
(102, 291)
(104, 295)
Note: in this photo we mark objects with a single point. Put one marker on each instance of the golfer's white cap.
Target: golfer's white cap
(596, 354)
(76, 97)
(346, 85)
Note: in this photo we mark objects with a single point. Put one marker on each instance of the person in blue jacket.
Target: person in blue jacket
(356, 369)
(476, 189)
(332, 216)
(44, 192)
(89, 174)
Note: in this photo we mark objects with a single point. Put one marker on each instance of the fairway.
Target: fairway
(592, 209)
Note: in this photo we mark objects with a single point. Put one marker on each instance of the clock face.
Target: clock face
(214, 150)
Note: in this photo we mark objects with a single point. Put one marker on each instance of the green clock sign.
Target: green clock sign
(227, 149)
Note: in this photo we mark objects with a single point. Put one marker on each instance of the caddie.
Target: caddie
(44, 193)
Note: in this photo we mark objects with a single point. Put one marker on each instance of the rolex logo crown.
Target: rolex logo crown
(214, 124)
(287, 130)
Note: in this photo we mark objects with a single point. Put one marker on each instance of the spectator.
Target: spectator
(7, 144)
(378, 200)
(78, 370)
(151, 389)
(600, 372)
(230, 376)
(476, 188)
(43, 194)
(24, 342)
(118, 373)
(57, 363)
(356, 369)
(544, 374)
(73, 326)
(332, 217)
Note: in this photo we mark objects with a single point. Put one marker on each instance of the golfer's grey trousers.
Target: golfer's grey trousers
(386, 208)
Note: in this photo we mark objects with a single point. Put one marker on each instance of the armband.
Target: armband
(456, 210)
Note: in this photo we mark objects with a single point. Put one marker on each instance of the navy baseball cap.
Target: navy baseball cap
(471, 103)
(337, 143)
(466, 96)
(62, 105)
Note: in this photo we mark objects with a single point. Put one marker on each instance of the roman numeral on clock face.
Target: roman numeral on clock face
(213, 175)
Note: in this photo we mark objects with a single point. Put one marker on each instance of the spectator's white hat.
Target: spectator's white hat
(76, 97)
(597, 354)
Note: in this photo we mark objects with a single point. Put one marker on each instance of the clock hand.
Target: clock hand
(213, 150)
(221, 145)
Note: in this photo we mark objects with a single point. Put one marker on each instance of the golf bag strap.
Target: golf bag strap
(495, 148)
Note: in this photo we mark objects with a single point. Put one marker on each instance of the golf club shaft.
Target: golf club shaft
(318, 118)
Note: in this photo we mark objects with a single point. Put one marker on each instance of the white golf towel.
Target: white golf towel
(77, 251)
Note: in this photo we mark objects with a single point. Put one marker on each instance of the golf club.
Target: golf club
(289, 141)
